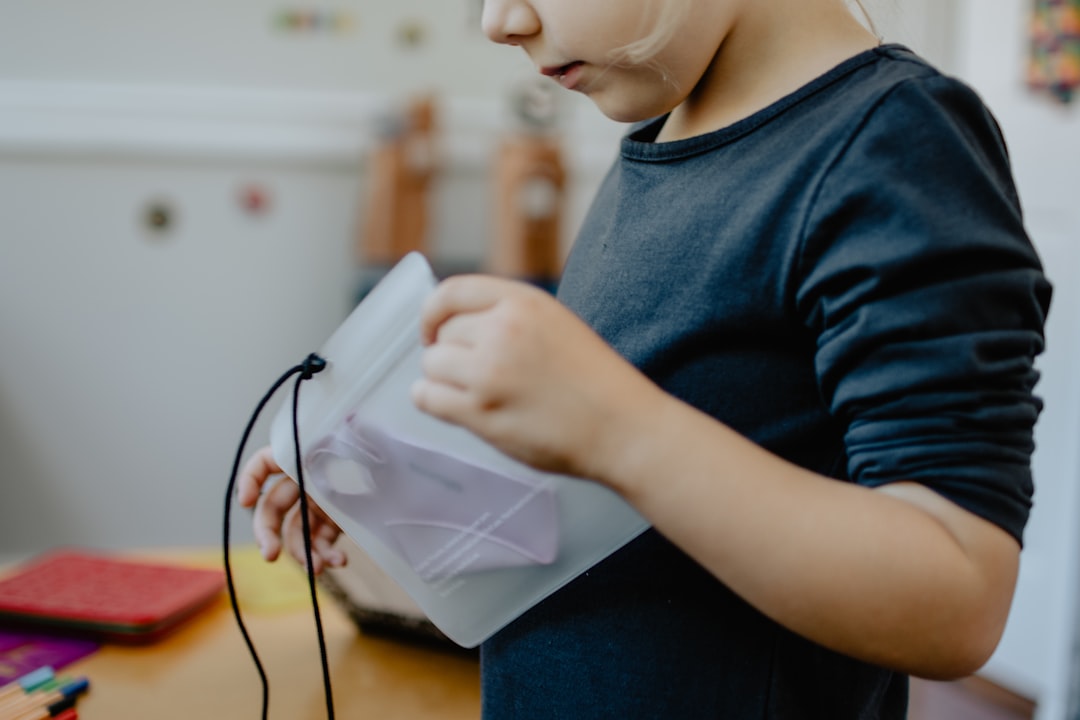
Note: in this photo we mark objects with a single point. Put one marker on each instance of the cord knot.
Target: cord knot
(312, 366)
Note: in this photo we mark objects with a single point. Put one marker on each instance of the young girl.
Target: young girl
(796, 332)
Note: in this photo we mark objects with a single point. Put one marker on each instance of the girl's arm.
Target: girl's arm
(898, 576)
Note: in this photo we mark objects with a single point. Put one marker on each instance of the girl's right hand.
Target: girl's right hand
(277, 521)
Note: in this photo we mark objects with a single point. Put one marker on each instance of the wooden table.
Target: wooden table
(203, 670)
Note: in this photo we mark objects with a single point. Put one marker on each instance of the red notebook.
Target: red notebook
(104, 597)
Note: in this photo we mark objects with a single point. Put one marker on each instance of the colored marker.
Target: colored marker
(61, 705)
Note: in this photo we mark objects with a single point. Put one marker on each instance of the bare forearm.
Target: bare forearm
(899, 577)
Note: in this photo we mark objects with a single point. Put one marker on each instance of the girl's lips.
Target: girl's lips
(568, 75)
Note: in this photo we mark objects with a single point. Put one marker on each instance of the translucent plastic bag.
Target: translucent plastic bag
(474, 537)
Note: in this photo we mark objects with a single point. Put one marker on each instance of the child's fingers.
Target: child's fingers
(461, 330)
(455, 295)
(322, 543)
(270, 513)
(450, 365)
(323, 535)
(441, 400)
(259, 468)
(291, 533)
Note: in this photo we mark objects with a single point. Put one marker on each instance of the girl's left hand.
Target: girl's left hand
(510, 363)
(277, 521)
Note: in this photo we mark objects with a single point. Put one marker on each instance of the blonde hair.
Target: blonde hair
(667, 15)
(866, 17)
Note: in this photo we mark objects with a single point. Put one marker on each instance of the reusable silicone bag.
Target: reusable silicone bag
(474, 537)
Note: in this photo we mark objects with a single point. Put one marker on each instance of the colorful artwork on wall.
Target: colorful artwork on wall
(1054, 65)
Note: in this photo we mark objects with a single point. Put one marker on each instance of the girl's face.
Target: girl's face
(578, 43)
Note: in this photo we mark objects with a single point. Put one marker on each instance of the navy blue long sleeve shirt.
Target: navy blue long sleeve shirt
(844, 278)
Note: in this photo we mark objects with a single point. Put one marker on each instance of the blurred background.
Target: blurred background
(194, 194)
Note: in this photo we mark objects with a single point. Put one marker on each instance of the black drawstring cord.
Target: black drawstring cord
(311, 366)
(314, 364)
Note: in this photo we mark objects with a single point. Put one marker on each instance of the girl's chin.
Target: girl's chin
(628, 108)
(627, 114)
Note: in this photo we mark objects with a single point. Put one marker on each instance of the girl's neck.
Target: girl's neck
(773, 49)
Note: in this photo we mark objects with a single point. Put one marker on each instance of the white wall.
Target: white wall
(129, 360)
(241, 44)
(1036, 655)
(926, 26)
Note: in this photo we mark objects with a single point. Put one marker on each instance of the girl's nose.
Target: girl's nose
(509, 21)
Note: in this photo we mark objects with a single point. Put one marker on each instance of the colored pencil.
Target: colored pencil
(42, 698)
(50, 711)
(68, 713)
(27, 683)
(15, 704)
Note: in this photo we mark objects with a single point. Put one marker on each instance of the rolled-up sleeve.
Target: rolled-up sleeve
(927, 301)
